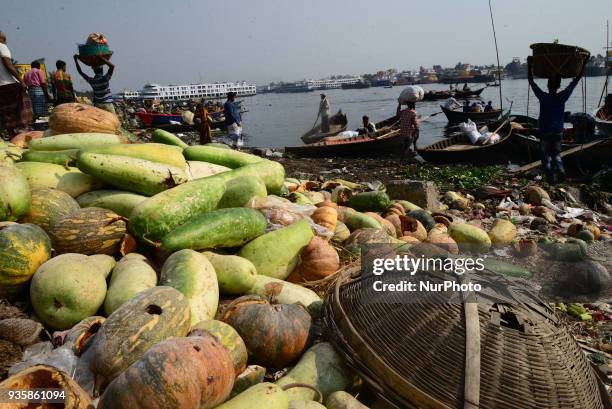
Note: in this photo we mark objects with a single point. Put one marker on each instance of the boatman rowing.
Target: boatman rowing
(324, 110)
(551, 120)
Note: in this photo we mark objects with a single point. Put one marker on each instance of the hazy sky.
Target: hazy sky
(187, 41)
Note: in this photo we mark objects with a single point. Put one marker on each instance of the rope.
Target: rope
(528, 93)
(501, 101)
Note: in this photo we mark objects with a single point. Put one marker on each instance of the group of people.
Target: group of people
(477, 106)
(26, 98)
(203, 121)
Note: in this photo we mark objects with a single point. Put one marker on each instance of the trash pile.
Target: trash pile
(187, 274)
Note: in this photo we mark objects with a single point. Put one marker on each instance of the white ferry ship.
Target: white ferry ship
(196, 91)
(127, 94)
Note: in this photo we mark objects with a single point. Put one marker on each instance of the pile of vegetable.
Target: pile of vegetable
(172, 276)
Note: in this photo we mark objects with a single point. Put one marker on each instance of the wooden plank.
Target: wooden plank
(471, 387)
(565, 153)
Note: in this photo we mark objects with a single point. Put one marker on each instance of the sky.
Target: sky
(190, 41)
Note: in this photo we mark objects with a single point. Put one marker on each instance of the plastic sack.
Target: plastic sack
(469, 128)
(280, 212)
(62, 358)
(96, 38)
(491, 138)
(451, 104)
(411, 93)
(348, 134)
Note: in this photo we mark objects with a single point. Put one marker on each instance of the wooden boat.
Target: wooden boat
(468, 93)
(151, 119)
(358, 146)
(458, 149)
(591, 154)
(460, 116)
(437, 95)
(337, 124)
(604, 125)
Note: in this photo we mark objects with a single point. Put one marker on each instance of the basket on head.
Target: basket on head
(413, 354)
(90, 54)
(552, 59)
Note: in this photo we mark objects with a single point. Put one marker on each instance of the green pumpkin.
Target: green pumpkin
(14, 193)
(23, 248)
(48, 205)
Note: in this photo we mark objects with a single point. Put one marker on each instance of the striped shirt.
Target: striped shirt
(101, 88)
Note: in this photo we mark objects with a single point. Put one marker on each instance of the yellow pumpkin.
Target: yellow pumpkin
(326, 216)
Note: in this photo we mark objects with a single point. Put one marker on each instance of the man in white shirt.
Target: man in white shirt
(15, 105)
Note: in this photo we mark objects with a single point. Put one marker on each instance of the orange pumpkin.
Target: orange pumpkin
(413, 227)
(76, 118)
(396, 209)
(275, 335)
(23, 139)
(319, 260)
(327, 203)
(190, 373)
(438, 235)
(326, 216)
(387, 226)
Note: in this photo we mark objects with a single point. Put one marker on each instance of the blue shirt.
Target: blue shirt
(231, 112)
(552, 108)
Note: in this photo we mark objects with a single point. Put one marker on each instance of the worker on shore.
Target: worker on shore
(409, 128)
(37, 90)
(369, 127)
(324, 110)
(202, 122)
(15, 105)
(233, 120)
(551, 120)
(61, 84)
(100, 83)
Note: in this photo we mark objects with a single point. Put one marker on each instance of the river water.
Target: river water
(277, 120)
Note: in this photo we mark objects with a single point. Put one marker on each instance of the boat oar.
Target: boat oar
(430, 116)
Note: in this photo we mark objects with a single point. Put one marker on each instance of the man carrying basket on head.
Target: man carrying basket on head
(551, 120)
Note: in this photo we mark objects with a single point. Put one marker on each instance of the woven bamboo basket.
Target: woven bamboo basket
(89, 54)
(551, 59)
(413, 355)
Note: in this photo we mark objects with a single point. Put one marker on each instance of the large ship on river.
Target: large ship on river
(196, 91)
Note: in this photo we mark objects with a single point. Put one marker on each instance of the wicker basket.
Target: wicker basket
(89, 54)
(413, 355)
(551, 59)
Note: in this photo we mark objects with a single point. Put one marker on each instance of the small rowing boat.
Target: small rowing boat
(337, 124)
(458, 149)
(357, 146)
(386, 140)
(478, 117)
(603, 122)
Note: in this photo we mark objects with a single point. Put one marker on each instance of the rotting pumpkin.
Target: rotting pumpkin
(275, 335)
(152, 316)
(178, 373)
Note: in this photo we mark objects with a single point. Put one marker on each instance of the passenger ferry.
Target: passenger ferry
(127, 94)
(196, 91)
